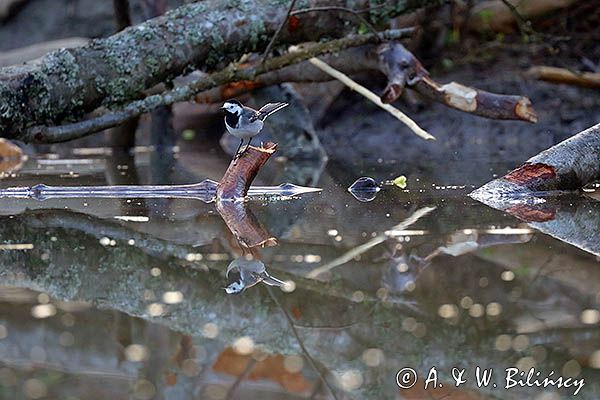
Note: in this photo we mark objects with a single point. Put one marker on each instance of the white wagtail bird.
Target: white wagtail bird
(243, 273)
(244, 122)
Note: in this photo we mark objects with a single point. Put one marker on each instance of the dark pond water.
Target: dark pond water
(124, 298)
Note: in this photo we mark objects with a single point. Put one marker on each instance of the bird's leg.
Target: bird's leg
(247, 146)
(237, 152)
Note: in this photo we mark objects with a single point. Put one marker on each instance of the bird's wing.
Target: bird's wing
(267, 110)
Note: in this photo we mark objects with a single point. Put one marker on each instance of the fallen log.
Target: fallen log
(496, 16)
(116, 70)
(567, 166)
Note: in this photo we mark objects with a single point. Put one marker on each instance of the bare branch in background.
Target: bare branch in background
(402, 68)
(116, 70)
(417, 130)
(561, 75)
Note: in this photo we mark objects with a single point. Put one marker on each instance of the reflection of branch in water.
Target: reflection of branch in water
(244, 225)
(393, 232)
(311, 361)
(470, 240)
(241, 378)
(204, 191)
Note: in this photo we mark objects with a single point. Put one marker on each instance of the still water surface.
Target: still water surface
(123, 298)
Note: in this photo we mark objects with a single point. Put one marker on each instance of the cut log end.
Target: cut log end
(524, 110)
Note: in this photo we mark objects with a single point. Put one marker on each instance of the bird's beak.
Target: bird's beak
(222, 108)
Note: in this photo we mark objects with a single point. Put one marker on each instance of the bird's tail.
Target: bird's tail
(271, 281)
(269, 109)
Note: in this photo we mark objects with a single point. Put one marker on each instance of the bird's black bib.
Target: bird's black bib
(232, 119)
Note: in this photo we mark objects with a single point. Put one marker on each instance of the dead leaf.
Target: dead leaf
(11, 156)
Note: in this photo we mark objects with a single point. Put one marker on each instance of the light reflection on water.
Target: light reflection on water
(124, 297)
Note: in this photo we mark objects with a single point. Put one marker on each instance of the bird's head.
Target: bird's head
(232, 106)
(235, 287)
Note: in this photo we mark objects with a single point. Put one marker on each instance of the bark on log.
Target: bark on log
(567, 166)
(232, 73)
(241, 172)
(201, 35)
(34, 52)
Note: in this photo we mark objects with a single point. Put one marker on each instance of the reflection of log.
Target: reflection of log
(118, 278)
(569, 165)
(243, 224)
(561, 75)
(241, 172)
(574, 222)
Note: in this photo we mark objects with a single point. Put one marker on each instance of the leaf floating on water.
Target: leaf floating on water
(364, 189)
(400, 181)
(11, 156)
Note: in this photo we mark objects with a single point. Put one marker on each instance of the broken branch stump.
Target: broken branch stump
(241, 172)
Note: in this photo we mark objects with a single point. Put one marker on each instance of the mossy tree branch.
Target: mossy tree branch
(113, 71)
(232, 73)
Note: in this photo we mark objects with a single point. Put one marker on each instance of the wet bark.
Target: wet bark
(202, 35)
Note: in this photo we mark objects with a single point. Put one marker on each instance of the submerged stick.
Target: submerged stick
(417, 130)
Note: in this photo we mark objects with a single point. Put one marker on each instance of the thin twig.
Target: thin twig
(524, 24)
(232, 73)
(342, 9)
(272, 42)
(311, 361)
(241, 378)
(345, 79)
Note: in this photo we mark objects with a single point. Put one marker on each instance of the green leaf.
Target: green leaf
(400, 181)
(188, 134)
